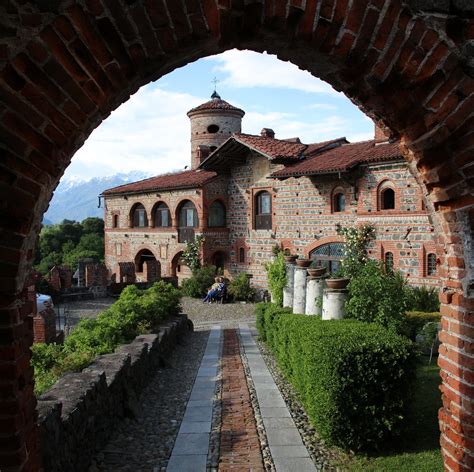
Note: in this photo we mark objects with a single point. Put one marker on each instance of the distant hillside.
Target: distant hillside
(76, 200)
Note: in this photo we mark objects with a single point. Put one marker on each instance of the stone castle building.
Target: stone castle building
(247, 193)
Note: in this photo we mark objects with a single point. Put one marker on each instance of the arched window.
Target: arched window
(339, 202)
(139, 217)
(388, 259)
(328, 255)
(241, 255)
(387, 199)
(115, 221)
(263, 210)
(187, 221)
(162, 216)
(217, 215)
(431, 264)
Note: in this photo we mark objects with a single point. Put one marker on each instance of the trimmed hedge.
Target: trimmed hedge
(353, 378)
(415, 320)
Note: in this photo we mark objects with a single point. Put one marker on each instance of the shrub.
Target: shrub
(199, 283)
(422, 299)
(377, 296)
(265, 312)
(240, 288)
(133, 313)
(353, 378)
(415, 320)
(276, 274)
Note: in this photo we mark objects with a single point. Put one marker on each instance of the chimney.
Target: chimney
(267, 133)
(379, 135)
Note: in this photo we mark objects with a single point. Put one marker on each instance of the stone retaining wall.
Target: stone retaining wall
(78, 414)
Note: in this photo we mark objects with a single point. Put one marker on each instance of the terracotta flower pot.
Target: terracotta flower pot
(337, 283)
(317, 271)
(303, 262)
(290, 259)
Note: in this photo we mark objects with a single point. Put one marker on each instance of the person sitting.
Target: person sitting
(212, 292)
(221, 291)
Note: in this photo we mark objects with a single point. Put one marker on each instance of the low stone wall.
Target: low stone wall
(78, 414)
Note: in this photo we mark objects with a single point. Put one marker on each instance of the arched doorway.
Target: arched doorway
(179, 269)
(147, 267)
(407, 71)
(219, 259)
(187, 221)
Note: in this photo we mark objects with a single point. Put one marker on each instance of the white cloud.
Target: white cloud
(288, 125)
(251, 69)
(322, 106)
(149, 132)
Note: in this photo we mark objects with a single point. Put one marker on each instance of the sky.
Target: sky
(151, 131)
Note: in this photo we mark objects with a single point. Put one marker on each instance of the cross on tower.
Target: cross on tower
(215, 82)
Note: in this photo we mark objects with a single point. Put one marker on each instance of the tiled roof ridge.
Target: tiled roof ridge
(336, 158)
(140, 183)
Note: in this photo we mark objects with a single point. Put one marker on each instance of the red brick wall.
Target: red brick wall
(64, 67)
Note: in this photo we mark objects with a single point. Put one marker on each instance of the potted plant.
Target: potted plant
(337, 280)
(302, 262)
(316, 270)
(288, 256)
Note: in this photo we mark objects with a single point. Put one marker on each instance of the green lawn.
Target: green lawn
(419, 450)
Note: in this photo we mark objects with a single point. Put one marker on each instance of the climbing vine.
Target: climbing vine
(356, 240)
(192, 253)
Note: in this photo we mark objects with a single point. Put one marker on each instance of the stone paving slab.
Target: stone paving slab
(286, 446)
(192, 443)
(288, 451)
(187, 463)
(195, 427)
(294, 464)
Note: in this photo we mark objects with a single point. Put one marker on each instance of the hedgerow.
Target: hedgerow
(353, 378)
(135, 312)
(414, 322)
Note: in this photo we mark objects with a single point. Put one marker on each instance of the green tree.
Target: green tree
(93, 225)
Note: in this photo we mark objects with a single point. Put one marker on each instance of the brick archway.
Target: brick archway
(64, 66)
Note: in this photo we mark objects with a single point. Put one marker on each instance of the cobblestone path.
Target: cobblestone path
(213, 408)
(239, 444)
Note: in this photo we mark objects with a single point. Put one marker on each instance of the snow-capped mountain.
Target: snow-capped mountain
(76, 199)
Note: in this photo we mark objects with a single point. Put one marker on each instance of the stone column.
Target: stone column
(314, 296)
(290, 284)
(333, 303)
(299, 292)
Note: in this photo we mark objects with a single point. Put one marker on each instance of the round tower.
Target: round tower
(211, 124)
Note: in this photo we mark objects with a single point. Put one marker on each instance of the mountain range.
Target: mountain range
(78, 199)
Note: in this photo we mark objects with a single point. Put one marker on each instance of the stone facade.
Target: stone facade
(303, 214)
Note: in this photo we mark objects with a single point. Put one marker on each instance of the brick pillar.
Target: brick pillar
(19, 446)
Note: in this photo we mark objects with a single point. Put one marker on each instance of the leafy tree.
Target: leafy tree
(69, 242)
(93, 225)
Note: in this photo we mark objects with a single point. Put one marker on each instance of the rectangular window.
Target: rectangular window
(164, 218)
(190, 217)
(265, 204)
(141, 218)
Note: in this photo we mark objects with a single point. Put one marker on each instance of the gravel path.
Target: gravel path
(145, 443)
(229, 315)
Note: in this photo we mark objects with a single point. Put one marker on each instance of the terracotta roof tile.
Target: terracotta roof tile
(216, 104)
(186, 179)
(342, 158)
(273, 148)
